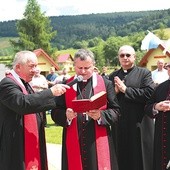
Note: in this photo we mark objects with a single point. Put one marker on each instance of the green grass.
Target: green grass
(53, 132)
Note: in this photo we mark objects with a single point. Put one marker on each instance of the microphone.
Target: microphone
(76, 80)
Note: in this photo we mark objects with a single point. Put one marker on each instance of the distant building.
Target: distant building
(45, 61)
(65, 61)
(152, 56)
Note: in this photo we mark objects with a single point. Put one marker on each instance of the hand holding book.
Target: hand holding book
(95, 102)
(94, 114)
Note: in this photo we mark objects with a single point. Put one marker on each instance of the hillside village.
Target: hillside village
(149, 60)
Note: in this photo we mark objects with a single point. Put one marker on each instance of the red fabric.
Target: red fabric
(31, 138)
(72, 140)
(102, 144)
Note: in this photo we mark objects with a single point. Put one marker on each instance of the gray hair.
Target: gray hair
(23, 57)
(83, 54)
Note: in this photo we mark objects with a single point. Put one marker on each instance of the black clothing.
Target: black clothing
(162, 127)
(105, 75)
(86, 127)
(13, 105)
(129, 139)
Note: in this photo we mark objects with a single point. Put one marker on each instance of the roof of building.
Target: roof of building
(64, 57)
(41, 52)
(144, 60)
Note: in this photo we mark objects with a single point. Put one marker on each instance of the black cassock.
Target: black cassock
(13, 106)
(162, 128)
(134, 144)
(86, 130)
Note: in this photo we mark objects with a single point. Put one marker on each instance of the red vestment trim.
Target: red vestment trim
(31, 137)
(72, 140)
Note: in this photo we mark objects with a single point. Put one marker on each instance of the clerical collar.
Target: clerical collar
(128, 70)
(84, 80)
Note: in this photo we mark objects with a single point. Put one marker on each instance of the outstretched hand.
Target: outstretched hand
(59, 89)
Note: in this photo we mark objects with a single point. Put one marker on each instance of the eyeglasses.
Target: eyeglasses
(123, 55)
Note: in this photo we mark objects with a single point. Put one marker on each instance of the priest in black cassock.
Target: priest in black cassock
(22, 136)
(87, 142)
(158, 107)
(134, 86)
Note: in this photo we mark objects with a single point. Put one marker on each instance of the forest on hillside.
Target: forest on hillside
(74, 29)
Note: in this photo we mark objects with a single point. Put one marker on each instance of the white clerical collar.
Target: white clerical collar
(84, 80)
(94, 79)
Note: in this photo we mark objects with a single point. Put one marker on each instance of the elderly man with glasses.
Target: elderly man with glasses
(133, 86)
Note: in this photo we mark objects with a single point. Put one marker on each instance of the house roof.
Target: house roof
(144, 60)
(64, 57)
(41, 52)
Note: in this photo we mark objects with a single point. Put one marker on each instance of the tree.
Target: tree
(34, 30)
(161, 32)
(98, 52)
(111, 48)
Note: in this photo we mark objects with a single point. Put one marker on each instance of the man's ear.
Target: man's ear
(18, 67)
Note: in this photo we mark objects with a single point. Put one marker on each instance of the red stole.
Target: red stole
(31, 137)
(72, 140)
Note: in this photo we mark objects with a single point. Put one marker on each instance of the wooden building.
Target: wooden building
(45, 61)
(152, 56)
(65, 61)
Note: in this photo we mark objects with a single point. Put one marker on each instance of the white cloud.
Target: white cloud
(14, 9)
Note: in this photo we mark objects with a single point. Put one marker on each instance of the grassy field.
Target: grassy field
(5, 46)
(53, 132)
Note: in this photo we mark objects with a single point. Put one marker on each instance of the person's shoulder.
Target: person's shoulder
(143, 69)
(115, 71)
(6, 82)
(163, 85)
(6, 79)
(113, 74)
(106, 80)
(154, 71)
(165, 70)
(42, 76)
(48, 75)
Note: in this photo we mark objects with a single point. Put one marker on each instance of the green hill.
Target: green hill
(78, 28)
(167, 32)
(5, 46)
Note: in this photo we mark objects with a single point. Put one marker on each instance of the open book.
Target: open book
(95, 102)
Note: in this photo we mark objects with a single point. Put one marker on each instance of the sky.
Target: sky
(14, 9)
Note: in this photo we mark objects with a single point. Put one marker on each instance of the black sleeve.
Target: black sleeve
(12, 97)
(111, 114)
(58, 114)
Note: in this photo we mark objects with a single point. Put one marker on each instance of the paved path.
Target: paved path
(54, 156)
